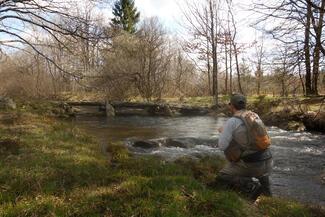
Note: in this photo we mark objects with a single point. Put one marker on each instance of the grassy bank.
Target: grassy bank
(50, 168)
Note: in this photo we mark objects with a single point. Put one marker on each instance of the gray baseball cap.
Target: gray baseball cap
(238, 100)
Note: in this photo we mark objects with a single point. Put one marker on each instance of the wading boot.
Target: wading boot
(250, 187)
(266, 186)
(254, 189)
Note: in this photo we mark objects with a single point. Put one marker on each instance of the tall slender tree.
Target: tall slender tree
(299, 22)
(203, 23)
(126, 15)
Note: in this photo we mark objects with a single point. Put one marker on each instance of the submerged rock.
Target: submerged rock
(146, 144)
(178, 143)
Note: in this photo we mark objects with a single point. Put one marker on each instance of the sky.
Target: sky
(169, 13)
(167, 10)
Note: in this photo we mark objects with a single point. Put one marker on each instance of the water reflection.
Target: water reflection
(152, 127)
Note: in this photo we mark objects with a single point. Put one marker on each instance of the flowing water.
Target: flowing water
(299, 159)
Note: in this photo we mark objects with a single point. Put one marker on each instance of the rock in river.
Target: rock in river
(146, 144)
(178, 143)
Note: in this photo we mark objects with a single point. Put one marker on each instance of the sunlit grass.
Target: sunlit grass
(275, 207)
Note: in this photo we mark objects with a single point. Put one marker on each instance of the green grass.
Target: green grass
(276, 207)
(58, 170)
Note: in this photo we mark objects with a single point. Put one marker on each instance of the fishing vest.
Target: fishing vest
(258, 140)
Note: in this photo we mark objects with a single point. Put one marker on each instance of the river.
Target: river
(299, 160)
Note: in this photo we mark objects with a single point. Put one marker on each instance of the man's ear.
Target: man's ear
(232, 108)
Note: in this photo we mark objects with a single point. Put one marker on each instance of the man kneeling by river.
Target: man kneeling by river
(245, 143)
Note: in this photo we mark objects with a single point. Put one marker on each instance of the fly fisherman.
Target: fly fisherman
(245, 143)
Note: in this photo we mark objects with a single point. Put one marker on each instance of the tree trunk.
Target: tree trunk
(258, 79)
(301, 78)
(237, 67)
(209, 68)
(307, 51)
(318, 30)
(226, 62)
(283, 86)
(230, 68)
(214, 55)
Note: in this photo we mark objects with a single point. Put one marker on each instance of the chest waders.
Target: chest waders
(251, 185)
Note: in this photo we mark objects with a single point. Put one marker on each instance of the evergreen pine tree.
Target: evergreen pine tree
(126, 15)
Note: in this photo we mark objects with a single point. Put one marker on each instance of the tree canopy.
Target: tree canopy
(126, 15)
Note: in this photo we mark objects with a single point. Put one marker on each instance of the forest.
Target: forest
(50, 48)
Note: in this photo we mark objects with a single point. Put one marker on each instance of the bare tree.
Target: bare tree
(154, 57)
(298, 22)
(318, 23)
(139, 62)
(120, 67)
(203, 24)
(284, 64)
(233, 35)
(226, 42)
(23, 75)
(20, 18)
(182, 74)
(259, 60)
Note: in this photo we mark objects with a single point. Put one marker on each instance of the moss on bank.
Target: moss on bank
(58, 170)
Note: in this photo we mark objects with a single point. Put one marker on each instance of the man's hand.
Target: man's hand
(220, 129)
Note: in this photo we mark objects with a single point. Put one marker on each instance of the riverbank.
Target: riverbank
(295, 113)
(288, 113)
(51, 168)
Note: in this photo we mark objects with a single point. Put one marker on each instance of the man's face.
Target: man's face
(231, 108)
